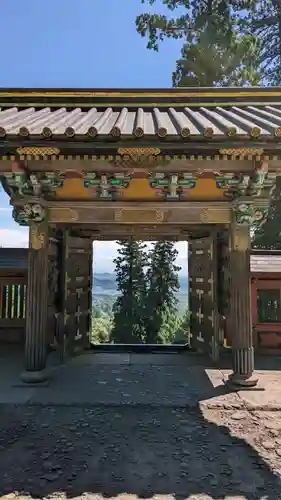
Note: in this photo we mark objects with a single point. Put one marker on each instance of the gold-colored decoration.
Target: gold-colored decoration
(240, 237)
(241, 151)
(212, 319)
(145, 158)
(216, 93)
(135, 216)
(137, 152)
(200, 315)
(38, 151)
(255, 132)
(37, 237)
(63, 215)
(236, 154)
(215, 216)
(231, 131)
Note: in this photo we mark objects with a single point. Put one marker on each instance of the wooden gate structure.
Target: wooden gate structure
(181, 164)
(203, 303)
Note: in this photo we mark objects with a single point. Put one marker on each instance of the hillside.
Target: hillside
(106, 283)
(104, 291)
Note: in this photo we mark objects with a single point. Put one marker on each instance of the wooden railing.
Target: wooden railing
(12, 308)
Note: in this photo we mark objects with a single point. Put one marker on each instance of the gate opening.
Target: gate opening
(143, 284)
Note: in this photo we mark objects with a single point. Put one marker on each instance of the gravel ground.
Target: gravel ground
(139, 451)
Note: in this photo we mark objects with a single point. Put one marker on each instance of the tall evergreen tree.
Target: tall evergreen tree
(263, 21)
(128, 310)
(163, 283)
(268, 236)
(216, 51)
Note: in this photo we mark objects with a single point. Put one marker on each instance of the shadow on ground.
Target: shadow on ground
(112, 428)
(139, 450)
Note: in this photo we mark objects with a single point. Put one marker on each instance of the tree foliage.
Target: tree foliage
(263, 21)
(128, 309)
(268, 236)
(216, 50)
(163, 283)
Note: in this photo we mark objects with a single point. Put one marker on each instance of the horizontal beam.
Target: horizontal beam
(139, 213)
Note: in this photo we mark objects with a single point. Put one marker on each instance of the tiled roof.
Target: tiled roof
(216, 122)
(267, 263)
(16, 258)
(13, 258)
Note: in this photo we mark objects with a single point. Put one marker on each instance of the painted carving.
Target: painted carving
(131, 216)
(26, 214)
(246, 214)
(215, 216)
(147, 158)
(108, 187)
(173, 187)
(50, 182)
(261, 214)
(229, 183)
(63, 215)
(33, 151)
(137, 152)
(37, 237)
(257, 183)
(23, 185)
(19, 184)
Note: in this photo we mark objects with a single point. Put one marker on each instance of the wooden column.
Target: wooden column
(36, 304)
(240, 307)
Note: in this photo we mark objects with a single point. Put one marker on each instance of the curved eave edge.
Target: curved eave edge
(5, 185)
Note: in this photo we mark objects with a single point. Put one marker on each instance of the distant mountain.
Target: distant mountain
(105, 283)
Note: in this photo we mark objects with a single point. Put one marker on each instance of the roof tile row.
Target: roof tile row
(249, 121)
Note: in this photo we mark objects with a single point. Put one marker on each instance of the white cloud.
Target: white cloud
(103, 255)
(105, 252)
(14, 238)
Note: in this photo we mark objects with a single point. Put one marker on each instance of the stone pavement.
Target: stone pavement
(133, 426)
(182, 380)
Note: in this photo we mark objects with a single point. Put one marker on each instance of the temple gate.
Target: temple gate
(181, 164)
(203, 303)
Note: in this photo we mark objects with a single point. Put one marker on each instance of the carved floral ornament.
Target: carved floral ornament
(138, 157)
(29, 213)
(247, 214)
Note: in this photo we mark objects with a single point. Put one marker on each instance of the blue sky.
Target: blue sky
(65, 43)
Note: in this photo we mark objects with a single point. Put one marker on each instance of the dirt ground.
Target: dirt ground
(139, 451)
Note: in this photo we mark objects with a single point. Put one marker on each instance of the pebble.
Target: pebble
(273, 424)
(238, 415)
(268, 445)
(52, 476)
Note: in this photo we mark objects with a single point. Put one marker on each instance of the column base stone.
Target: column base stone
(39, 377)
(238, 382)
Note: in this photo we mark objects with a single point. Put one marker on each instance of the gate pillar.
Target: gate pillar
(36, 304)
(204, 318)
(240, 307)
(77, 278)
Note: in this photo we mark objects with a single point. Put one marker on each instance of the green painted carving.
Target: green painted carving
(246, 214)
(230, 184)
(23, 185)
(107, 185)
(260, 214)
(172, 185)
(19, 184)
(187, 181)
(31, 212)
(91, 181)
(50, 182)
(257, 183)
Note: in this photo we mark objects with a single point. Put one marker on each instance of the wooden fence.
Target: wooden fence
(12, 307)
